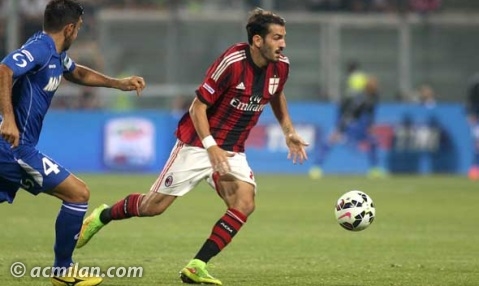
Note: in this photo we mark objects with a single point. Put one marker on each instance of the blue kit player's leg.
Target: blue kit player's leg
(360, 134)
(362, 137)
(375, 170)
(323, 150)
(319, 156)
(372, 151)
(39, 173)
(45, 175)
(8, 190)
(10, 175)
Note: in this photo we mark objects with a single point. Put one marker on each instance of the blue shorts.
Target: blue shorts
(27, 168)
(357, 132)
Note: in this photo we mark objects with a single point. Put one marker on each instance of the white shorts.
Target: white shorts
(189, 165)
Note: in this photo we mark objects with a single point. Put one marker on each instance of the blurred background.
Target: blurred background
(423, 54)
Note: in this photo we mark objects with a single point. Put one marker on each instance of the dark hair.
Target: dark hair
(60, 13)
(259, 21)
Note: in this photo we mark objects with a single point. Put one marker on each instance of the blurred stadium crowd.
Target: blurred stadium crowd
(35, 6)
(87, 48)
(31, 10)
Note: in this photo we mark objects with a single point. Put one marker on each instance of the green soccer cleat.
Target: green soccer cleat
(195, 273)
(91, 225)
(70, 278)
(315, 173)
(377, 173)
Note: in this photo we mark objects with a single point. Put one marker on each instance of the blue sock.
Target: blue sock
(67, 227)
(373, 153)
(323, 151)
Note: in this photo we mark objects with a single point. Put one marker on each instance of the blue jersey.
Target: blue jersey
(357, 113)
(37, 73)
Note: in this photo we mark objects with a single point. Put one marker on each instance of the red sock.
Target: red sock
(127, 207)
(223, 231)
(227, 227)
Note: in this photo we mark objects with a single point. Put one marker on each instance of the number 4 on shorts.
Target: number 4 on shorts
(49, 166)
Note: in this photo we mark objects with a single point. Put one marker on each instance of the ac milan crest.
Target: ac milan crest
(168, 181)
(273, 85)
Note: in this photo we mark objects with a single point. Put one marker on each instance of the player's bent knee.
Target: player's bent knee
(249, 209)
(72, 190)
(245, 207)
(81, 195)
(248, 202)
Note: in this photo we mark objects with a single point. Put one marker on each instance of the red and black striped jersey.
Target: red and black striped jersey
(236, 92)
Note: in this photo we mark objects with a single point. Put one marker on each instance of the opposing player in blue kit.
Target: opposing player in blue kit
(29, 78)
(354, 127)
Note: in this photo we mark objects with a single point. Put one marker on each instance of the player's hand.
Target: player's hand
(219, 159)
(296, 146)
(9, 131)
(132, 83)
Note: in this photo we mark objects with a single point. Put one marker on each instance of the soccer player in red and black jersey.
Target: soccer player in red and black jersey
(211, 140)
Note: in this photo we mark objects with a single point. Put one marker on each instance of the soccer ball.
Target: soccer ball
(355, 210)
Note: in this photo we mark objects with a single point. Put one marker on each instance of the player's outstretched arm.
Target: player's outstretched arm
(295, 143)
(8, 127)
(86, 76)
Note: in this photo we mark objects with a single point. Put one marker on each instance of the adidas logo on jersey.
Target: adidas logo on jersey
(241, 86)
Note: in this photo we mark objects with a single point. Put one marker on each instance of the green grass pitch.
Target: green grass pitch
(426, 233)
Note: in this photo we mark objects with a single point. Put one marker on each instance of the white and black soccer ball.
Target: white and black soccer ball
(355, 210)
